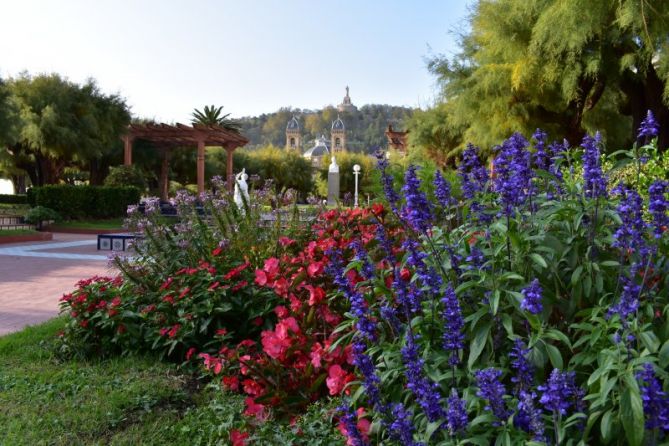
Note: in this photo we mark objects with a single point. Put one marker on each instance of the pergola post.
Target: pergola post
(127, 150)
(228, 166)
(164, 182)
(200, 166)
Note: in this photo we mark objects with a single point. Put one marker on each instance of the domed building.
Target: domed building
(319, 151)
(338, 136)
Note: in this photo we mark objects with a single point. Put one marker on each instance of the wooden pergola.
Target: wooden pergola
(397, 140)
(166, 137)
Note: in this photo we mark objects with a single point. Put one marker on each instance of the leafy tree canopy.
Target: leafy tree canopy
(566, 66)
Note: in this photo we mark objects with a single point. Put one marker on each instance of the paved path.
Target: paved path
(34, 275)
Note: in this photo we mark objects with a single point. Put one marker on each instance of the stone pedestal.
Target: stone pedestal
(333, 182)
(333, 188)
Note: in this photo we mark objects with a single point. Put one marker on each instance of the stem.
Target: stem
(508, 240)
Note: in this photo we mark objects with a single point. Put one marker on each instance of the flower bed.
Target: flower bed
(530, 309)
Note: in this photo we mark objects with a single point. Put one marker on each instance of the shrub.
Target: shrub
(40, 214)
(78, 202)
(13, 199)
(537, 314)
(126, 176)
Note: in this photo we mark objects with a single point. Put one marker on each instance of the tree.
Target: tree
(63, 124)
(212, 115)
(566, 66)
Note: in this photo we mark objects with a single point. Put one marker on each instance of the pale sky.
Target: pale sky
(168, 57)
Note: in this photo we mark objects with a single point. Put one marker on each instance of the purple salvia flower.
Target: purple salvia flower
(401, 429)
(649, 127)
(492, 390)
(442, 190)
(365, 366)
(629, 300)
(417, 210)
(475, 259)
(513, 175)
(532, 298)
(658, 205)
(593, 177)
(560, 392)
(387, 180)
(542, 159)
(655, 400)
(453, 338)
(456, 414)
(630, 235)
(472, 173)
(426, 392)
(350, 421)
(529, 416)
(524, 371)
(367, 269)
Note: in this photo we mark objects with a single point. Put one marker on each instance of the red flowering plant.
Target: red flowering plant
(302, 357)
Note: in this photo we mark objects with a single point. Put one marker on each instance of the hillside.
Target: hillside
(365, 127)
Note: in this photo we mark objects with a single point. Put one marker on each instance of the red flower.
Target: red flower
(174, 330)
(83, 323)
(217, 251)
(315, 269)
(238, 438)
(190, 353)
(377, 209)
(281, 311)
(316, 295)
(257, 321)
(317, 354)
(236, 271)
(231, 382)
(405, 274)
(337, 379)
(221, 332)
(254, 410)
(363, 427)
(285, 241)
(121, 329)
(213, 286)
(261, 278)
(116, 301)
(167, 283)
(252, 388)
(169, 299)
(184, 292)
(239, 286)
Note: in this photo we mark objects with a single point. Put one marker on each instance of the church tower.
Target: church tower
(338, 136)
(293, 135)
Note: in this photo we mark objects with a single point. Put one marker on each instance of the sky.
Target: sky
(168, 57)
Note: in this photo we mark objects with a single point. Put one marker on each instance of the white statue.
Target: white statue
(334, 167)
(241, 189)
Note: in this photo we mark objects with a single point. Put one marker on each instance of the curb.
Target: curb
(39, 237)
(84, 231)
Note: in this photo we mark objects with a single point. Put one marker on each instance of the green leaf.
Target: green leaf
(631, 413)
(539, 260)
(554, 355)
(478, 343)
(576, 275)
(664, 355)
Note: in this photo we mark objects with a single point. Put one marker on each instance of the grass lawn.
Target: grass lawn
(11, 232)
(114, 223)
(133, 400)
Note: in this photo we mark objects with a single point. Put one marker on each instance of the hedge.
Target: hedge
(78, 202)
(13, 199)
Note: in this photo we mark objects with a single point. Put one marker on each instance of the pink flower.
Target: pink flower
(285, 241)
(254, 410)
(190, 353)
(337, 379)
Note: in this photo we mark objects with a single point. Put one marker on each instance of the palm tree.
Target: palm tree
(212, 115)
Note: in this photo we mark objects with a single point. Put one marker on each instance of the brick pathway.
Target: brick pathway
(34, 275)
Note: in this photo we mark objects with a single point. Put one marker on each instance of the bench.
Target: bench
(115, 242)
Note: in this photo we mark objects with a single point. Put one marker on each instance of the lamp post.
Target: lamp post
(356, 172)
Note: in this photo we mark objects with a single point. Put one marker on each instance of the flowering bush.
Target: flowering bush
(302, 358)
(534, 313)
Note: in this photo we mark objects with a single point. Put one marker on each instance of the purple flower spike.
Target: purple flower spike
(649, 127)
(658, 206)
(456, 415)
(655, 400)
(454, 338)
(533, 296)
(593, 177)
(492, 390)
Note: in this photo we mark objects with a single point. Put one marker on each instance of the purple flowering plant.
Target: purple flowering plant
(524, 315)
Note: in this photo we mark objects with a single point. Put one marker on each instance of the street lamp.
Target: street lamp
(356, 172)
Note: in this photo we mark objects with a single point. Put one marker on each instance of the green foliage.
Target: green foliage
(13, 199)
(126, 176)
(40, 214)
(365, 127)
(73, 202)
(286, 168)
(62, 123)
(346, 161)
(212, 115)
(564, 66)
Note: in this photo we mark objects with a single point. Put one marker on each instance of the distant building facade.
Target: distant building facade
(293, 135)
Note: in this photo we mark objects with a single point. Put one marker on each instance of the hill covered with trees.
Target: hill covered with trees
(365, 127)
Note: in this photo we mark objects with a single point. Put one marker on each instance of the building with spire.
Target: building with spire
(346, 104)
(293, 135)
(338, 136)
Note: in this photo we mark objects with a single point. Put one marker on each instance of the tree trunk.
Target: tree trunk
(98, 171)
(19, 182)
(49, 169)
(646, 94)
